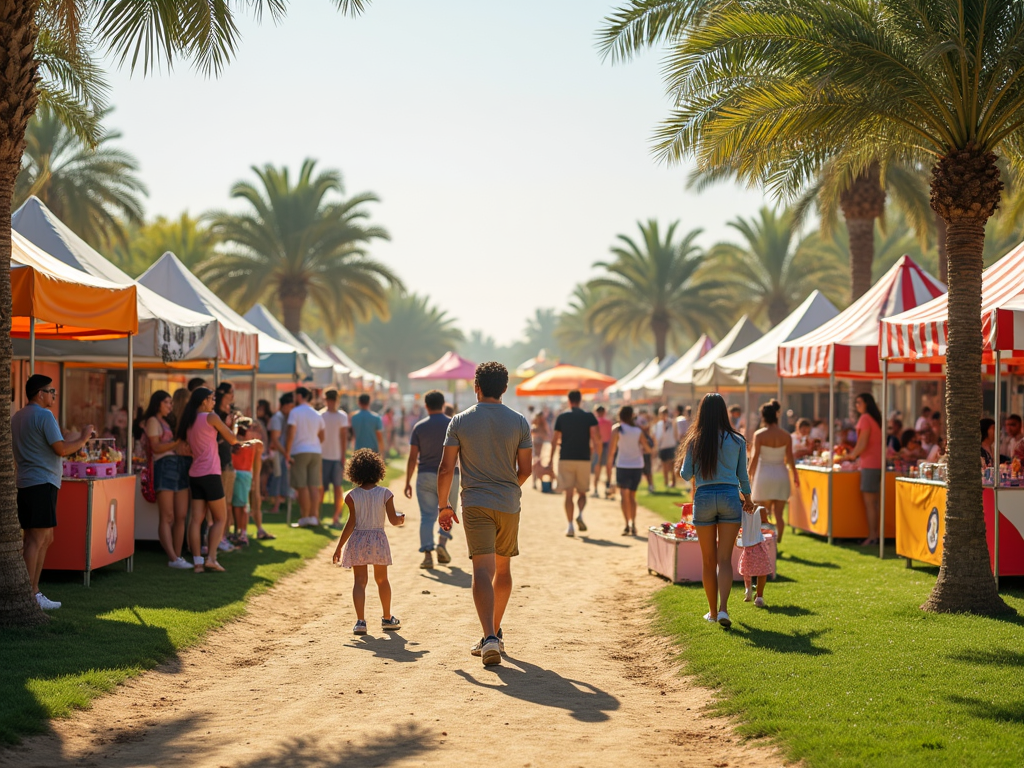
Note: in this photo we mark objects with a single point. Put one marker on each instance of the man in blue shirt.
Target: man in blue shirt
(39, 448)
(367, 427)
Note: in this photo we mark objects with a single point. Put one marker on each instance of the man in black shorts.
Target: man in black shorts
(39, 448)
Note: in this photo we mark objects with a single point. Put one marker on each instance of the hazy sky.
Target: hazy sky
(507, 156)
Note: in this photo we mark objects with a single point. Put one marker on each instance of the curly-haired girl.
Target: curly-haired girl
(368, 505)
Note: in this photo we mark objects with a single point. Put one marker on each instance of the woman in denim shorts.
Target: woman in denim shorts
(171, 492)
(714, 458)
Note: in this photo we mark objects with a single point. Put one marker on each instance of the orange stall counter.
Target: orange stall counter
(808, 503)
(95, 525)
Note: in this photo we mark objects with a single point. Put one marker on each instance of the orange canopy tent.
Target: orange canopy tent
(562, 379)
(50, 298)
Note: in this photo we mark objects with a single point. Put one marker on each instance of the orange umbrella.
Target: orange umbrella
(562, 379)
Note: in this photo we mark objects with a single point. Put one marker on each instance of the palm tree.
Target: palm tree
(540, 331)
(480, 347)
(789, 86)
(47, 58)
(95, 190)
(415, 334)
(770, 275)
(577, 334)
(188, 238)
(654, 287)
(296, 245)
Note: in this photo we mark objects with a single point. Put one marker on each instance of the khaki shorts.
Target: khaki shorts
(573, 475)
(489, 532)
(306, 470)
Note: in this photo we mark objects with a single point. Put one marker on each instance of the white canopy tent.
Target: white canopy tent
(339, 371)
(359, 375)
(620, 386)
(742, 334)
(636, 388)
(655, 387)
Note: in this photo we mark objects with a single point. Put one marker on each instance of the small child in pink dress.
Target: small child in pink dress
(755, 557)
(367, 544)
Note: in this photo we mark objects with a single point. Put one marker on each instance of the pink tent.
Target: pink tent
(451, 367)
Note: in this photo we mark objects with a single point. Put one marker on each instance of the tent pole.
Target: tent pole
(63, 396)
(131, 406)
(782, 406)
(831, 443)
(31, 346)
(254, 371)
(995, 485)
(746, 405)
(216, 372)
(881, 497)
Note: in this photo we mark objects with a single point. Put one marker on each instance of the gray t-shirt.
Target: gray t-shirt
(428, 435)
(34, 430)
(489, 435)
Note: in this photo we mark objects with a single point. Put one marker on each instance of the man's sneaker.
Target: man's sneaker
(359, 628)
(595, 495)
(225, 546)
(490, 651)
(181, 563)
(304, 522)
(580, 524)
(650, 488)
(442, 554)
(569, 531)
(475, 650)
(46, 603)
(428, 562)
(393, 623)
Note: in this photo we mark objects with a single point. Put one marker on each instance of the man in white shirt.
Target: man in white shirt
(304, 457)
(335, 440)
(666, 443)
(682, 422)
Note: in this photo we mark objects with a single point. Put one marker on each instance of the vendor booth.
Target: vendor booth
(54, 301)
(919, 337)
(847, 347)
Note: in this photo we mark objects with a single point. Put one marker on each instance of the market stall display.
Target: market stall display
(847, 347)
(808, 501)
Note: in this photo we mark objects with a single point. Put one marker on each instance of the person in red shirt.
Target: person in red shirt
(869, 451)
(604, 428)
(243, 459)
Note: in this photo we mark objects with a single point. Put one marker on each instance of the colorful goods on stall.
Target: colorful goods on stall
(98, 458)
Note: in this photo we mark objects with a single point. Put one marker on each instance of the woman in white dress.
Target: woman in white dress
(771, 462)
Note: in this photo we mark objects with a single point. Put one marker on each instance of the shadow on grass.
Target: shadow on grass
(453, 577)
(602, 542)
(999, 658)
(393, 647)
(781, 642)
(530, 683)
(790, 610)
(795, 560)
(987, 710)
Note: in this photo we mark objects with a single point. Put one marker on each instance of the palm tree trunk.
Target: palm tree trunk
(659, 327)
(965, 190)
(940, 241)
(17, 84)
(609, 357)
(291, 306)
(862, 255)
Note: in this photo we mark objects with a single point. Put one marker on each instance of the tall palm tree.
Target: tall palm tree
(297, 244)
(787, 86)
(190, 239)
(415, 334)
(654, 288)
(770, 274)
(578, 336)
(48, 56)
(540, 331)
(95, 190)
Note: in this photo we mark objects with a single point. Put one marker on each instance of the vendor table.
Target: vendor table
(147, 518)
(95, 524)
(679, 559)
(921, 523)
(808, 504)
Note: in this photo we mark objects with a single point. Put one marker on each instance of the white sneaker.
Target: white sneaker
(748, 594)
(709, 618)
(759, 602)
(225, 546)
(490, 651)
(46, 603)
(724, 620)
(569, 531)
(181, 563)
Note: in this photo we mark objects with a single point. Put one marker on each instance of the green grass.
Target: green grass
(844, 669)
(126, 623)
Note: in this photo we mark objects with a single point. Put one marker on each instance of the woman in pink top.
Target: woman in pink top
(199, 426)
(869, 450)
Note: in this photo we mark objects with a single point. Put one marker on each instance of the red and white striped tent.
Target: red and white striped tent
(847, 345)
(920, 334)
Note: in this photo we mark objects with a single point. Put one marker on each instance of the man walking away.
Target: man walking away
(682, 422)
(335, 442)
(39, 448)
(493, 444)
(304, 457)
(426, 447)
(368, 428)
(576, 431)
(598, 461)
(278, 487)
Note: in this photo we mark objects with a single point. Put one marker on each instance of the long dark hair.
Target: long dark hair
(770, 412)
(705, 436)
(188, 416)
(153, 409)
(870, 408)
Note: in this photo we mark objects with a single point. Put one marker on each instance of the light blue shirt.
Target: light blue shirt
(34, 430)
(365, 425)
(732, 465)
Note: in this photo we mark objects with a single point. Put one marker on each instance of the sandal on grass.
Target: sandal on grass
(264, 536)
(213, 565)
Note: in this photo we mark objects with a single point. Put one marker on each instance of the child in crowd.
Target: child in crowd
(755, 559)
(367, 544)
(242, 460)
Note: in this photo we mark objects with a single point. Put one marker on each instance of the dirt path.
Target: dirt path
(585, 684)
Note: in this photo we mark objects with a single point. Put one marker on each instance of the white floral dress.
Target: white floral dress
(368, 544)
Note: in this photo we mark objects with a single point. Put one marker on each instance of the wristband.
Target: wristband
(447, 506)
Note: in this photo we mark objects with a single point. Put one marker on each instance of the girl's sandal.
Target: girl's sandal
(198, 568)
(264, 536)
(213, 565)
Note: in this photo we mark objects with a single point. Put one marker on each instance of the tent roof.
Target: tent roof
(263, 319)
(920, 334)
(755, 363)
(622, 382)
(66, 303)
(848, 343)
(450, 367)
(338, 370)
(562, 379)
(686, 361)
(739, 336)
(356, 370)
(237, 345)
